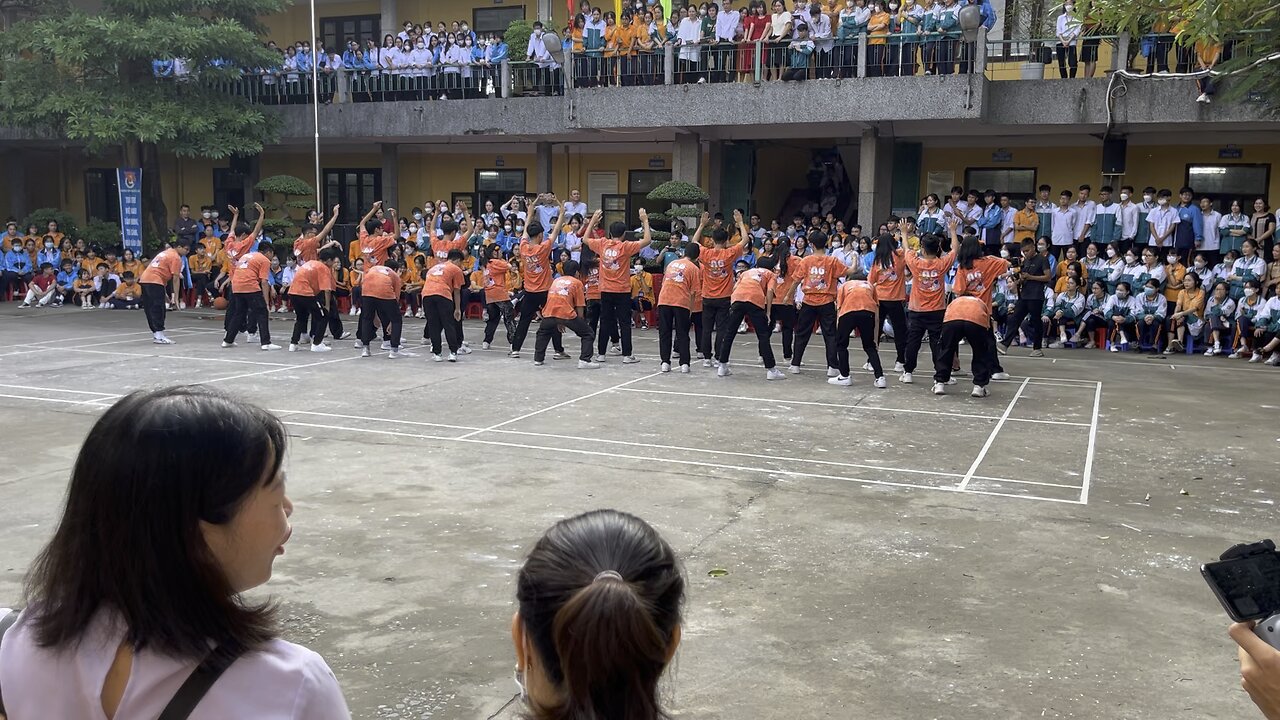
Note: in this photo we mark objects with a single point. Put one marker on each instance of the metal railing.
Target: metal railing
(1094, 55)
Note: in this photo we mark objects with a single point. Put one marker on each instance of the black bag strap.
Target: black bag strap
(196, 686)
(6, 622)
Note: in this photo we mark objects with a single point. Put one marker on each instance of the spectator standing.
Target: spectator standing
(1189, 232)
(1234, 227)
(186, 228)
(1211, 221)
(1063, 227)
(1067, 30)
(575, 206)
(1162, 221)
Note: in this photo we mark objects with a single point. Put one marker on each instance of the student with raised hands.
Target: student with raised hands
(311, 294)
(615, 255)
(681, 289)
(314, 239)
(598, 619)
(819, 277)
(717, 281)
(928, 302)
(534, 252)
(888, 273)
(373, 240)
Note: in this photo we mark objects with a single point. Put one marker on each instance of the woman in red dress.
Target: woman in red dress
(755, 24)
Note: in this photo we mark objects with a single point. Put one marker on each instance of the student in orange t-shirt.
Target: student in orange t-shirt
(615, 280)
(497, 297)
(784, 305)
(250, 296)
(312, 240)
(565, 308)
(374, 242)
(165, 270)
(977, 275)
(928, 302)
(968, 318)
(681, 288)
(717, 282)
(819, 274)
(888, 273)
(310, 294)
(380, 297)
(535, 262)
(241, 240)
(858, 307)
(752, 299)
(442, 304)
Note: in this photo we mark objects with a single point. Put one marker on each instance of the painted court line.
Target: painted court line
(160, 356)
(992, 437)
(280, 369)
(61, 390)
(619, 386)
(1093, 442)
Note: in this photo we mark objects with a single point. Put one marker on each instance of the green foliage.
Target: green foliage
(284, 248)
(679, 192)
(66, 223)
(102, 234)
(290, 187)
(278, 227)
(284, 185)
(517, 38)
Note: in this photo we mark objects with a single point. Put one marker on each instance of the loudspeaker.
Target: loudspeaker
(1114, 150)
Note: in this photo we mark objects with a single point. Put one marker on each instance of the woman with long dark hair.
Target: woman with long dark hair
(784, 297)
(888, 275)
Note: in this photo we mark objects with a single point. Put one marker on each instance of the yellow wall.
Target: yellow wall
(294, 24)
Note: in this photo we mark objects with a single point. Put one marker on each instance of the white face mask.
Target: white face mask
(1124, 197)
(1162, 202)
(1068, 7)
(1130, 259)
(48, 246)
(1250, 292)
(1111, 252)
(1122, 295)
(413, 229)
(1200, 264)
(1004, 252)
(506, 228)
(1172, 259)
(1146, 198)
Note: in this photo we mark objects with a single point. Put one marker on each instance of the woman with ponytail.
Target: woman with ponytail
(598, 620)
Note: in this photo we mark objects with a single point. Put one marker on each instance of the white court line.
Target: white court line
(853, 407)
(82, 403)
(171, 357)
(280, 369)
(375, 419)
(1093, 440)
(619, 386)
(992, 437)
(43, 389)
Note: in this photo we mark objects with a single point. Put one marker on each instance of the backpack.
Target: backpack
(184, 701)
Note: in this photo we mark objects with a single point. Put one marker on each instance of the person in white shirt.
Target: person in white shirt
(548, 69)
(1085, 209)
(1212, 222)
(1067, 30)
(823, 37)
(575, 206)
(1161, 220)
(1064, 222)
(1127, 218)
(102, 636)
(728, 23)
(687, 37)
(1006, 220)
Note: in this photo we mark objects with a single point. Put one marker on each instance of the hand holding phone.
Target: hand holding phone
(1246, 580)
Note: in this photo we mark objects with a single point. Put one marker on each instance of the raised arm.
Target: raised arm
(262, 216)
(702, 224)
(560, 219)
(235, 216)
(591, 224)
(644, 224)
(369, 215)
(743, 237)
(328, 227)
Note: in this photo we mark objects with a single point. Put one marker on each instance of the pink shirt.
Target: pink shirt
(281, 681)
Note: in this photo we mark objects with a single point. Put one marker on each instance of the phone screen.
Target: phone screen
(1248, 587)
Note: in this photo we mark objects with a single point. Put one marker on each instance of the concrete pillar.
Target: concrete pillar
(391, 177)
(390, 23)
(542, 174)
(250, 177)
(686, 159)
(875, 179)
(16, 170)
(544, 13)
(715, 161)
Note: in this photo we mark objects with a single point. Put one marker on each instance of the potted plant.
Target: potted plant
(1028, 19)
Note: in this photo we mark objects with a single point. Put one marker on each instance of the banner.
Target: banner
(129, 181)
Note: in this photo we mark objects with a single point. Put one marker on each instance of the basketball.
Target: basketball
(219, 303)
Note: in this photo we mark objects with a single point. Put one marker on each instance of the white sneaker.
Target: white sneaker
(939, 389)
(588, 365)
(293, 347)
(386, 345)
(560, 356)
(537, 363)
(706, 363)
(364, 351)
(1211, 352)
(841, 381)
(867, 366)
(742, 328)
(1000, 376)
(905, 378)
(419, 314)
(897, 367)
(664, 367)
(408, 312)
(358, 345)
(514, 354)
(1203, 98)
(723, 371)
(630, 360)
(453, 357)
(775, 374)
(1272, 361)
(321, 348)
(345, 334)
(795, 369)
(1115, 347)
(270, 346)
(435, 357)
(182, 305)
(1057, 345)
(352, 313)
(599, 359)
(1236, 355)
(684, 369)
(881, 382)
(615, 349)
(832, 372)
(162, 340)
(464, 350)
(978, 392)
(1256, 357)
(952, 380)
(251, 337)
(484, 346)
(226, 344)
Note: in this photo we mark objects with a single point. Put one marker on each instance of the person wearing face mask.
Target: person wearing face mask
(908, 23)
(1152, 311)
(1143, 236)
(1248, 267)
(1219, 317)
(1093, 319)
(48, 253)
(1188, 313)
(1067, 30)
(1247, 308)
(1188, 234)
(1122, 313)
(1126, 220)
(1266, 333)
(1162, 221)
(1233, 228)
(1095, 265)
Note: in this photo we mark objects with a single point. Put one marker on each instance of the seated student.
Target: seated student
(1266, 333)
(127, 295)
(1219, 313)
(1188, 312)
(1247, 308)
(101, 638)
(598, 619)
(43, 289)
(66, 278)
(83, 290)
(1153, 310)
(104, 285)
(1122, 317)
(1068, 308)
(1094, 318)
(201, 265)
(641, 295)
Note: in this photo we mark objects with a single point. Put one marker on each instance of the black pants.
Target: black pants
(549, 330)
(1068, 63)
(593, 320)
(153, 306)
(825, 314)
(919, 323)
(615, 313)
(673, 324)
(530, 304)
(333, 317)
(200, 285)
(980, 341)
(388, 313)
(695, 319)
(10, 280)
(1025, 309)
(865, 323)
(439, 312)
(248, 312)
(715, 314)
(785, 316)
(500, 311)
(306, 309)
(896, 312)
(759, 321)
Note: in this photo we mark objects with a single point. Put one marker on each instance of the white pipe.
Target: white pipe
(315, 103)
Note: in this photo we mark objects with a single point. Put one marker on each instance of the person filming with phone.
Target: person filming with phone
(1246, 580)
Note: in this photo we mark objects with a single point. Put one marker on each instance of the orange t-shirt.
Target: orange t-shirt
(890, 282)
(249, 272)
(236, 249)
(592, 283)
(381, 282)
(980, 280)
(856, 295)
(564, 298)
(754, 286)
(970, 309)
(162, 268)
(373, 248)
(442, 280)
(536, 260)
(928, 281)
(717, 270)
(495, 281)
(440, 249)
(681, 285)
(306, 280)
(786, 292)
(615, 262)
(306, 249)
(819, 275)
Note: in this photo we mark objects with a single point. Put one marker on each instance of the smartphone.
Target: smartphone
(1248, 587)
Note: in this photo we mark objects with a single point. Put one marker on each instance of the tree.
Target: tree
(290, 187)
(88, 78)
(684, 198)
(1254, 63)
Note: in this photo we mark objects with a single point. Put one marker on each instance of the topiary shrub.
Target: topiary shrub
(292, 190)
(103, 234)
(685, 199)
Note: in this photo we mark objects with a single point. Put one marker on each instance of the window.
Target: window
(336, 31)
(495, 19)
(639, 184)
(1229, 182)
(228, 189)
(102, 195)
(498, 186)
(356, 189)
(1018, 183)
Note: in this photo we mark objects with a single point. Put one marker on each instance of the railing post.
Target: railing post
(758, 51)
(980, 53)
(1120, 58)
(568, 68)
(669, 65)
(504, 79)
(342, 90)
(862, 55)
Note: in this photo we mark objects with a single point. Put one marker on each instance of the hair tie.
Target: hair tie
(608, 574)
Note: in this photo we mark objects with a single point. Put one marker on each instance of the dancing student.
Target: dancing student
(681, 288)
(250, 297)
(977, 275)
(453, 236)
(888, 273)
(967, 318)
(752, 299)
(310, 293)
(784, 296)
(313, 239)
(615, 279)
(497, 297)
(859, 311)
(373, 241)
(535, 262)
(164, 271)
(928, 302)
(717, 281)
(442, 304)
(381, 297)
(565, 309)
(819, 275)
(238, 243)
